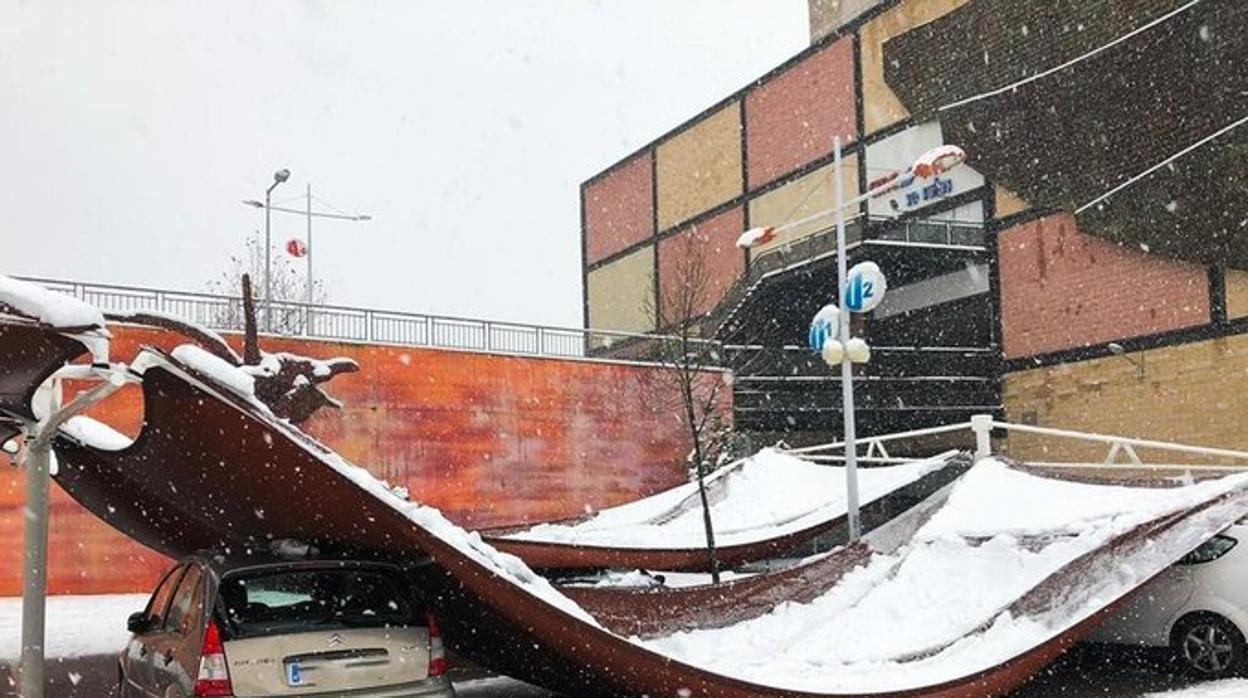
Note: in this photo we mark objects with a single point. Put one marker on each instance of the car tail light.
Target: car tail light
(437, 652)
(214, 675)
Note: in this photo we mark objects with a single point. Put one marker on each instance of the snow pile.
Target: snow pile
(937, 609)
(768, 495)
(1230, 688)
(78, 626)
(49, 307)
(219, 370)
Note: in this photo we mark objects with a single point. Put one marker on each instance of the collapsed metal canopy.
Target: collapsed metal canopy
(213, 469)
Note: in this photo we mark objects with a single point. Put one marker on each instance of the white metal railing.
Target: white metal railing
(982, 426)
(342, 323)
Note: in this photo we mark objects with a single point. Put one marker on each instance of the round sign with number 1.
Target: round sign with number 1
(864, 287)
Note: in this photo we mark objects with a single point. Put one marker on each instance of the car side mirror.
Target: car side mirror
(138, 622)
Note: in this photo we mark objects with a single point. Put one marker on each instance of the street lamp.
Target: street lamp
(278, 177)
(935, 161)
(309, 214)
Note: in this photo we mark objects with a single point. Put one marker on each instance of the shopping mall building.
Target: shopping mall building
(1057, 278)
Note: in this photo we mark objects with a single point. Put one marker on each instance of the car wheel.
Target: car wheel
(1209, 646)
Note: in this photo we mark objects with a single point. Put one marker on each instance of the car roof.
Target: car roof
(223, 564)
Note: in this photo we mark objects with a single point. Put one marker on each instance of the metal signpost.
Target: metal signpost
(859, 290)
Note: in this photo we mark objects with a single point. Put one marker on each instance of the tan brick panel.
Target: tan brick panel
(620, 291)
(881, 107)
(1192, 393)
(800, 198)
(700, 168)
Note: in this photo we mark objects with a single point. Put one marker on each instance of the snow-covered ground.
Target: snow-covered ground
(1230, 688)
(769, 495)
(77, 625)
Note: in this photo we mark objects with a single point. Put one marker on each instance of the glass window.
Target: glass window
(265, 603)
(1213, 549)
(185, 603)
(159, 602)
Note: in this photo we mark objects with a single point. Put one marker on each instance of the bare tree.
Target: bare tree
(289, 284)
(692, 365)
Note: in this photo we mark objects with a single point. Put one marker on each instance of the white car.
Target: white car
(1198, 608)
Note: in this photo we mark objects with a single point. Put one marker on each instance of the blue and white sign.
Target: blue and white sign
(864, 287)
(825, 326)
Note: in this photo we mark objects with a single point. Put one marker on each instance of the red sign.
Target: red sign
(296, 248)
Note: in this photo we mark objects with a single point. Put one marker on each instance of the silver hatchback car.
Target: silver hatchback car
(216, 627)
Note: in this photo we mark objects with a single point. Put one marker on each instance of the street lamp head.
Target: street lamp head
(938, 160)
(253, 203)
(281, 175)
(363, 217)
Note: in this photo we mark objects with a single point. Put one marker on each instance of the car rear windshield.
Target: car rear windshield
(285, 601)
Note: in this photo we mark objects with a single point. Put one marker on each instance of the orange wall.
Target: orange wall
(489, 439)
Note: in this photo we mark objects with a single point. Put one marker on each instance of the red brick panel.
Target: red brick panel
(1061, 288)
(489, 439)
(720, 264)
(619, 209)
(791, 119)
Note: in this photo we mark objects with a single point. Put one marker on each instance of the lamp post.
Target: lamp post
(935, 161)
(37, 457)
(309, 214)
(278, 177)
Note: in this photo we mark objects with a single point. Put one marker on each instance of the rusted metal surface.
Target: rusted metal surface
(245, 478)
(29, 354)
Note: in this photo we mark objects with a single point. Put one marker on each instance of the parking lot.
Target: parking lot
(1087, 671)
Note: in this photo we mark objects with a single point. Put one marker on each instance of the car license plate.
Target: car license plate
(294, 674)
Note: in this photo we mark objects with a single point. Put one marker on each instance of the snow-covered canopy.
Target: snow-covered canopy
(49, 307)
(770, 494)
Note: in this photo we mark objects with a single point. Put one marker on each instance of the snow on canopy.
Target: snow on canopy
(768, 495)
(49, 307)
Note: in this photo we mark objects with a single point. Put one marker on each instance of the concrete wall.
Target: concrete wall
(826, 16)
(489, 439)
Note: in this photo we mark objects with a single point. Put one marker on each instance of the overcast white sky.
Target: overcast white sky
(130, 131)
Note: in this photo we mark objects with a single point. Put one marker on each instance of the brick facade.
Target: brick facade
(1062, 288)
(619, 209)
(1194, 393)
